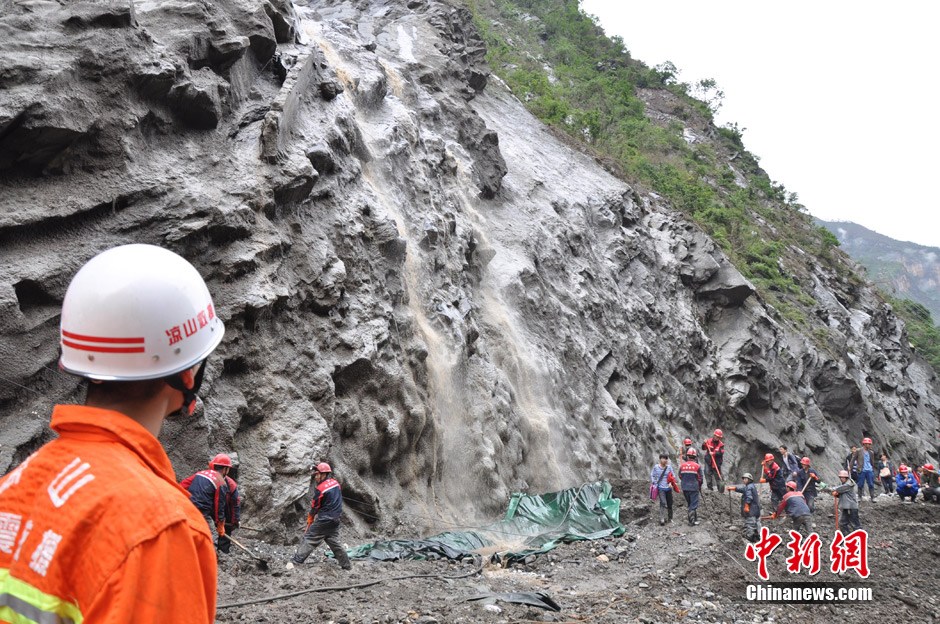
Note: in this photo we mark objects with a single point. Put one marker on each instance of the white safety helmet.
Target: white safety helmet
(137, 312)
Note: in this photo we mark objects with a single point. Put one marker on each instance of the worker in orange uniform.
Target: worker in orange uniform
(93, 527)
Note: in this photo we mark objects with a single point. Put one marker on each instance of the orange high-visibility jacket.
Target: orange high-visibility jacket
(94, 528)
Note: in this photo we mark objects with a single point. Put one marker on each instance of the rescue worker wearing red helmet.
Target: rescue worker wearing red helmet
(866, 459)
(794, 505)
(773, 475)
(210, 492)
(930, 483)
(686, 445)
(93, 526)
(714, 448)
(907, 486)
(326, 508)
(806, 480)
(690, 476)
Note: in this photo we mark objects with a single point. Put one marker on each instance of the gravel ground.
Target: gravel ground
(651, 574)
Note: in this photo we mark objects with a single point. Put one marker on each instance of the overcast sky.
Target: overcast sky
(839, 99)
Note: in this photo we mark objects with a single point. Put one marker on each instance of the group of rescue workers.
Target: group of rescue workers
(95, 528)
(794, 484)
(93, 525)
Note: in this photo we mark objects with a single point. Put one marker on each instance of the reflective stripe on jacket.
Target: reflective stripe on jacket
(690, 474)
(94, 528)
(327, 503)
(208, 491)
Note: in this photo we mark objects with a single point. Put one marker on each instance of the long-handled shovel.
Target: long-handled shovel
(262, 563)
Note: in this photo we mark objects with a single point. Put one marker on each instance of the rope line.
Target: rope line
(345, 587)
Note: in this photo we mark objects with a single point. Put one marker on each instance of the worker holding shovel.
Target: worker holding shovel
(806, 479)
(716, 453)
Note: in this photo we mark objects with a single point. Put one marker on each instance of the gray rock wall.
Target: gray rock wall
(420, 282)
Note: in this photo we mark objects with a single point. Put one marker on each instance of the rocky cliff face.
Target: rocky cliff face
(420, 282)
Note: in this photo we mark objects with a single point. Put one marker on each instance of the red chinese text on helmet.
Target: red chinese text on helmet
(123, 309)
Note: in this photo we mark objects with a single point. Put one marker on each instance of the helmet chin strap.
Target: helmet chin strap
(189, 385)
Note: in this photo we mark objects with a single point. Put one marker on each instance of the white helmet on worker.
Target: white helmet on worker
(137, 312)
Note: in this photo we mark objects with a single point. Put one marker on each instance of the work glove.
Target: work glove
(747, 508)
(220, 527)
(773, 516)
(762, 481)
(728, 488)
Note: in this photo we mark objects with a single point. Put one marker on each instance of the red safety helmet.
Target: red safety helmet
(902, 468)
(791, 485)
(691, 452)
(323, 467)
(844, 473)
(221, 460)
(866, 441)
(768, 457)
(687, 441)
(928, 466)
(805, 461)
(718, 433)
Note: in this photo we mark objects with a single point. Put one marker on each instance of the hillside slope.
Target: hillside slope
(906, 270)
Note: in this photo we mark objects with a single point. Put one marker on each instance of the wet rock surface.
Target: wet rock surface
(675, 573)
(416, 276)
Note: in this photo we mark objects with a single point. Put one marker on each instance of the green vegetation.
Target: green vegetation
(921, 330)
(660, 132)
(575, 78)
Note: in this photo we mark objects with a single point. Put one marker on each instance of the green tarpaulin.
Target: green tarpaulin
(532, 525)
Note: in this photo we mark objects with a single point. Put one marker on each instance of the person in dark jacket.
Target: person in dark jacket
(326, 507)
(850, 464)
(714, 454)
(750, 506)
(907, 484)
(794, 505)
(886, 474)
(791, 463)
(807, 474)
(209, 492)
(930, 483)
(773, 475)
(690, 474)
(848, 503)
